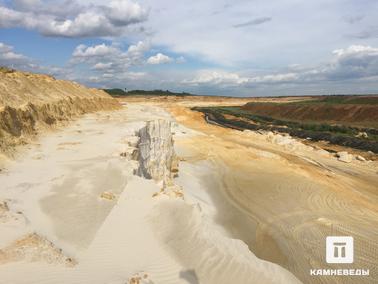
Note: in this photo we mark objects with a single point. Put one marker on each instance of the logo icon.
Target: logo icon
(339, 250)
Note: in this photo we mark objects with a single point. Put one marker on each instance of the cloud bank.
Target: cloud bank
(353, 63)
(72, 19)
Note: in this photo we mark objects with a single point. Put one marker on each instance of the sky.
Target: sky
(208, 47)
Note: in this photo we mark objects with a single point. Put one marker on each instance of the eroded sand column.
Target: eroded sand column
(156, 156)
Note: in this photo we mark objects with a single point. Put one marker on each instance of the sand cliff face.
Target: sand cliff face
(30, 103)
(157, 159)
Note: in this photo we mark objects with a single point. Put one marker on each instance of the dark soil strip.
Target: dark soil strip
(213, 116)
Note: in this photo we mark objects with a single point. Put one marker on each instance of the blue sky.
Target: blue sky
(215, 47)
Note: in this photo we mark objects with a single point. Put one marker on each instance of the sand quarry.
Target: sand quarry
(76, 206)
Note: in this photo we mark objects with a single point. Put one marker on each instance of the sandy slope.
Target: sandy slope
(56, 192)
(31, 103)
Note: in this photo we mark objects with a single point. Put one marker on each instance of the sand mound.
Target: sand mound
(34, 248)
(213, 257)
(31, 102)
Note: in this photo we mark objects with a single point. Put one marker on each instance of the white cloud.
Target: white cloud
(111, 80)
(135, 75)
(136, 52)
(121, 12)
(103, 56)
(347, 64)
(356, 50)
(83, 51)
(108, 64)
(275, 78)
(223, 78)
(216, 77)
(159, 58)
(10, 58)
(70, 19)
(204, 29)
(102, 66)
(356, 62)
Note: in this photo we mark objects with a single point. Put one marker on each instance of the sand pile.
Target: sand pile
(31, 102)
(32, 248)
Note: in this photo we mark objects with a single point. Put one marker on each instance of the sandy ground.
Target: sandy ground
(72, 211)
(283, 200)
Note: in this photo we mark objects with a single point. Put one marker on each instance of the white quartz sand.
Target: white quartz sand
(96, 222)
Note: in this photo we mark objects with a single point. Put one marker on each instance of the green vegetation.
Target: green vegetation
(336, 134)
(116, 92)
(121, 92)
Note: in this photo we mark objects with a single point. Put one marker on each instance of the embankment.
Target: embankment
(347, 114)
(346, 136)
(30, 103)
